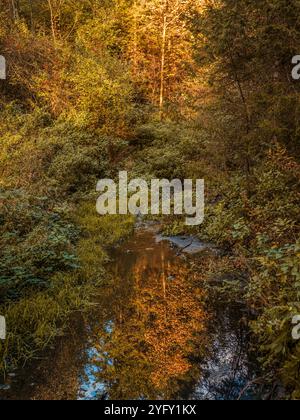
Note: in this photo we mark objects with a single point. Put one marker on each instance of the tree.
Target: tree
(159, 48)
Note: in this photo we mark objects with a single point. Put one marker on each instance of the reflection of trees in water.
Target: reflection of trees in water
(158, 325)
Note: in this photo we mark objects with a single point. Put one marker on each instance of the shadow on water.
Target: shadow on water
(154, 335)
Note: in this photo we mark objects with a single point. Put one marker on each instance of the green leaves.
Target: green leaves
(35, 244)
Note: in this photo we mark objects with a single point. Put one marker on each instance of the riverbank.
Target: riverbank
(36, 316)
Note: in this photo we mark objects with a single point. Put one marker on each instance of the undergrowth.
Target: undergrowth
(59, 275)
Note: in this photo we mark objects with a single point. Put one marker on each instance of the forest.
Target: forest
(197, 89)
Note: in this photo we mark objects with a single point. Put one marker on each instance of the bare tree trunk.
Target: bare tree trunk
(163, 62)
(52, 18)
(247, 120)
(135, 42)
(15, 9)
(31, 16)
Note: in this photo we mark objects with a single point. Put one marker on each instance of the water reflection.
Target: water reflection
(150, 336)
(230, 371)
(152, 326)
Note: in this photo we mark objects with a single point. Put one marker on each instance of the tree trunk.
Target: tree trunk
(135, 41)
(31, 16)
(15, 9)
(163, 62)
(52, 18)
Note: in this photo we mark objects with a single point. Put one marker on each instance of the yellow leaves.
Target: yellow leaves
(175, 320)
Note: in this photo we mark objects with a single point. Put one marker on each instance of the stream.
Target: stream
(154, 334)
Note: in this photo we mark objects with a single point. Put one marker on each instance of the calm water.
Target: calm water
(154, 335)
